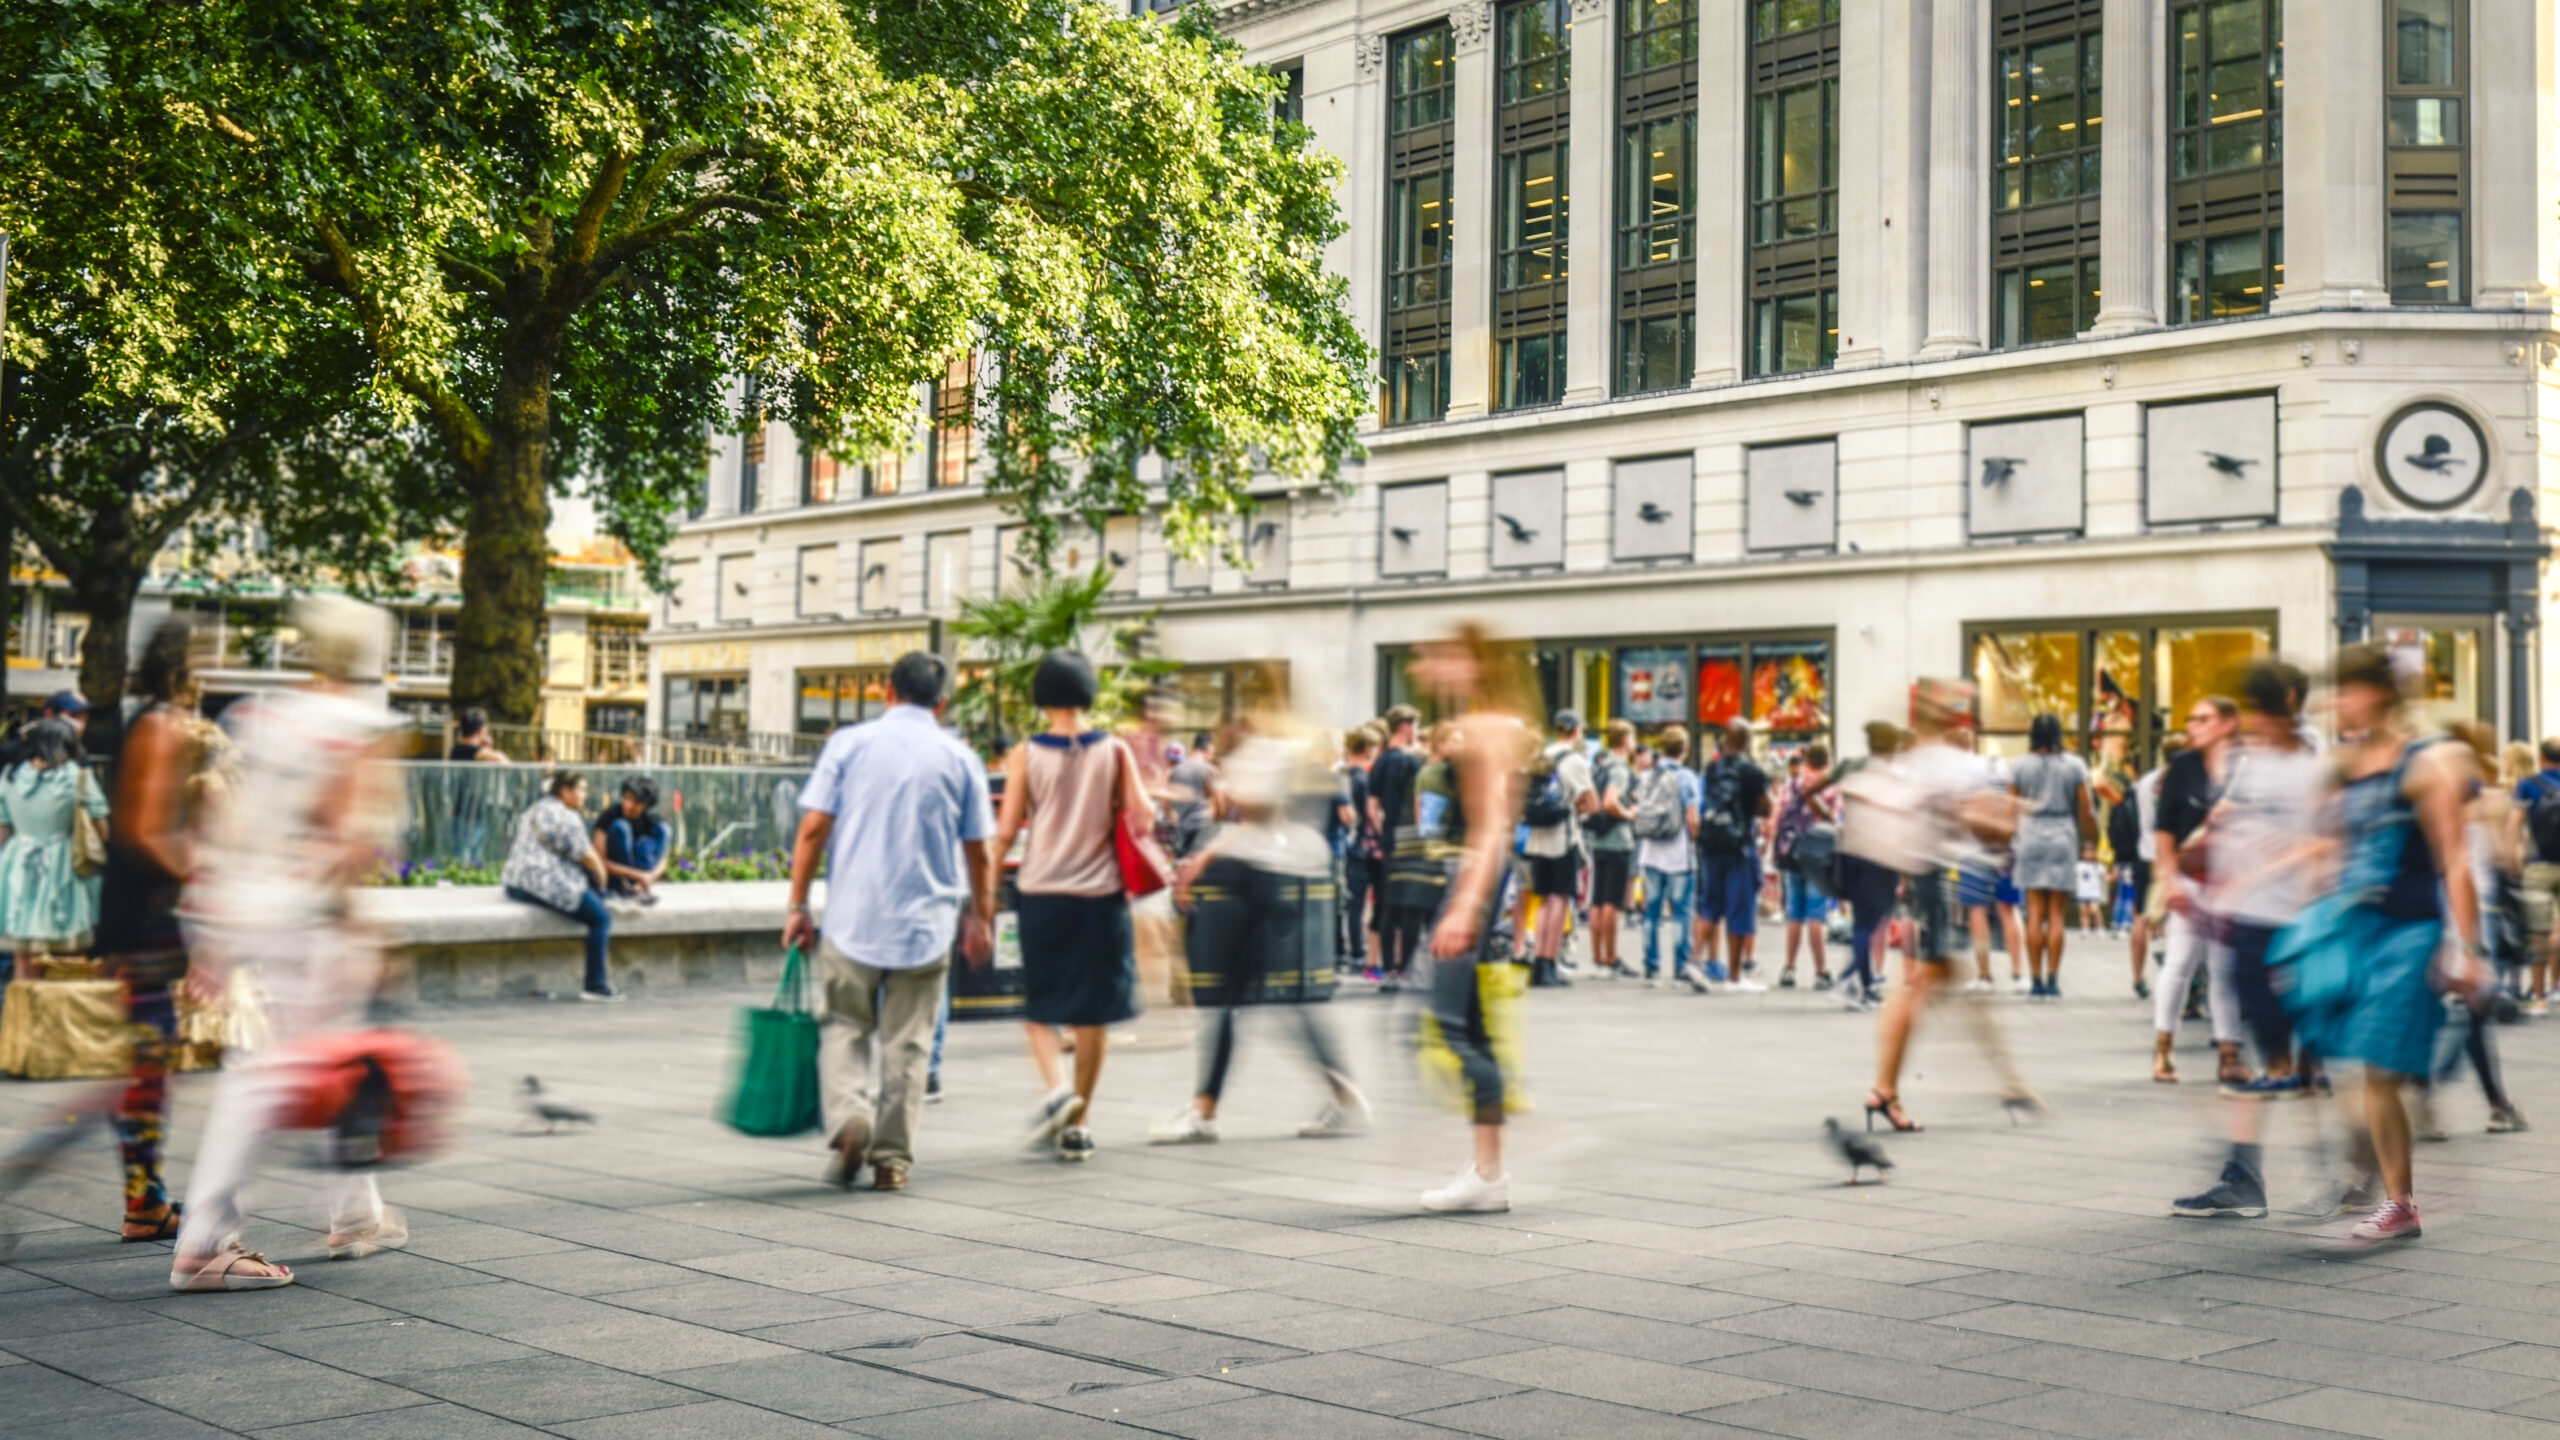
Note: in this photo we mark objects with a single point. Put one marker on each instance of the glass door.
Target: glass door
(2443, 662)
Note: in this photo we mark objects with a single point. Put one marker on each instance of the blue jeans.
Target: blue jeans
(1676, 890)
(1729, 893)
(1803, 903)
(639, 851)
(599, 922)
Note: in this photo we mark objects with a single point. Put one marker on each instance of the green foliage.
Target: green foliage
(685, 869)
(1010, 632)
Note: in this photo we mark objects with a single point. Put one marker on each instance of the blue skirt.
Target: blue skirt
(1079, 959)
(2390, 1016)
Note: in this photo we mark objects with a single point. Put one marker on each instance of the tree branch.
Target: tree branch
(463, 431)
(644, 197)
(611, 255)
(470, 273)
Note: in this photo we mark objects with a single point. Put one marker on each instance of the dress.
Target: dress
(41, 897)
(2048, 844)
(2388, 1017)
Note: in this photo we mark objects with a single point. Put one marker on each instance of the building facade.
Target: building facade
(1753, 357)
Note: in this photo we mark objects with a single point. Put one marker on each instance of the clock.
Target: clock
(2432, 456)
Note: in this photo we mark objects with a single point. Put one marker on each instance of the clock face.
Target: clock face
(2433, 456)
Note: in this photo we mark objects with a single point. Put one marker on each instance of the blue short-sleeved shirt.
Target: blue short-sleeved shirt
(904, 795)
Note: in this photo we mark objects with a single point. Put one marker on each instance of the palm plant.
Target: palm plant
(1003, 637)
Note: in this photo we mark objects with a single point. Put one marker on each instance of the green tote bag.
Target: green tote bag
(776, 1089)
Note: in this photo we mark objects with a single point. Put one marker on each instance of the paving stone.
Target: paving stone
(1876, 1377)
(2383, 1374)
(2113, 1373)
(1619, 1379)
(1133, 1403)
(1817, 1415)
(818, 1387)
(544, 1390)
(1865, 1334)
(2102, 1332)
(389, 1347)
(725, 1418)
(418, 1422)
(2540, 1361)
(1626, 1335)
(1026, 1373)
(1367, 1382)
(269, 1393)
(2409, 1342)
(649, 1344)
(1846, 1292)
(2385, 1417)
(2092, 1416)
(1547, 1415)
(1144, 1344)
(995, 1420)
(1284, 1417)
(731, 1304)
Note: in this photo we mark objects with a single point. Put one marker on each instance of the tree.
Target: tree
(166, 376)
(565, 232)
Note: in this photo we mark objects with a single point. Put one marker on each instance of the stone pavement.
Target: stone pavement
(1683, 1259)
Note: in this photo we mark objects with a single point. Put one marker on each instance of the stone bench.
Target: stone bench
(470, 942)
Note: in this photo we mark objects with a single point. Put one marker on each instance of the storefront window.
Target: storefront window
(2023, 674)
(2200, 662)
(2440, 671)
(829, 698)
(1207, 696)
(706, 707)
(2117, 688)
(1791, 689)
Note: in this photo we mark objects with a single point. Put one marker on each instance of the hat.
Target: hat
(67, 702)
(1566, 721)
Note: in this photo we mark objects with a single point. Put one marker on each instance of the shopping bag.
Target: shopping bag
(775, 1091)
(65, 1030)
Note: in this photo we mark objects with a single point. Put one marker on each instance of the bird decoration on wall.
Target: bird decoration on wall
(1996, 469)
(738, 585)
(1520, 534)
(1652, 514)
(874, 571)
(1805, 498)
(2232, 465)
(1861, 1151)
(1264, 532)
(1024, 566)
(2436, 456)
(1403, 535)
(811, 577)
(1118, 560)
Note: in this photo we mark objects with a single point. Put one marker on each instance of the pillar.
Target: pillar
(1959, 183)
(1591, 204)
(1724, 99)
(1885, 125)
(1471, 210)
(2333, 210)
(2130, 151)
(2515, 153)
(1355, 119)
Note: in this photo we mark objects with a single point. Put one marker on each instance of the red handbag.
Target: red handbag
(1144, 867)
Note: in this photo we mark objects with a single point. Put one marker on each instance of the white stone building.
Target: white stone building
(1755, 356)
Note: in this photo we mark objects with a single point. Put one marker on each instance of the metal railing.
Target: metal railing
(466, 813)
(533, 746)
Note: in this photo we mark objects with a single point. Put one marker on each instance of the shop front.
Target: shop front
(1781, 682)
(2120, 685)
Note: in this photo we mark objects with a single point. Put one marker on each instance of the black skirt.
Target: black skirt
(1079, 962)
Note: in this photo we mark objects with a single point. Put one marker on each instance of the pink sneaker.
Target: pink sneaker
(2391, 1220)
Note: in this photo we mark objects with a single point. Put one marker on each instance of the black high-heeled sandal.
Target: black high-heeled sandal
(1890, 1107)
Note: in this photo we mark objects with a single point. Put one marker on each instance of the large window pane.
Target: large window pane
(2426, 121)
(1656, 176)
(2422, 42)
(1536, 58)
(1419, 79)
(2021, 675)
(2426, 259)
(1418, 232)
(1773, 18)
(1654, 353)
(1533, 219)
(1657, 33)
(1794, 163)
(1532, 370)
(1793, 332)
(2197, 663)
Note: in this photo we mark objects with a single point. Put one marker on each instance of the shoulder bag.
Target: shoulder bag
(88, 832)
(1144, 867)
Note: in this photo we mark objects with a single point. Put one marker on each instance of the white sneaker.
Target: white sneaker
(2017, 984)
(1347, 1116)
(1692, 977)
(1746, 986)
(1185, 1126)
(1850, 995)
(1470, 1193)
(1059, 1109)
(1977, 986)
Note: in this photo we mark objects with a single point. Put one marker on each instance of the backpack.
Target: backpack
(1607, 773)
(1722, 827)
(1658, 806)
(1543, 804)
(1795, 816)
(2542, 821)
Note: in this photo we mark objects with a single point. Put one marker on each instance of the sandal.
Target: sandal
(1890, 1107)
(233, 1269)
(137, 1232)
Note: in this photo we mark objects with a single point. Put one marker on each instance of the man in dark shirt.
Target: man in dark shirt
(2188, 789)
(1736, 800)
(1391, 778)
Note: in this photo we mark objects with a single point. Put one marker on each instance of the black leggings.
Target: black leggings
(1264, 930)
(1401, 935)
(1457, 1005)
(2260, 1009)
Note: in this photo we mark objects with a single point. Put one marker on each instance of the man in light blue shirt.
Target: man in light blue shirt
(899, 807)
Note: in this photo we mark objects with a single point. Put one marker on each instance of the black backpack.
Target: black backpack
(1542, 801)
(1722, 827)
(2542, 821)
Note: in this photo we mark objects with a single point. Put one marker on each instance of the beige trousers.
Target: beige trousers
(860, 1004)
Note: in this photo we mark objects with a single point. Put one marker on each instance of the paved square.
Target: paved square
(1683, 1259)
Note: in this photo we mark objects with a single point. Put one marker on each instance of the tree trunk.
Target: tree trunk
(8, 600)
(506, 558)
(105, 588)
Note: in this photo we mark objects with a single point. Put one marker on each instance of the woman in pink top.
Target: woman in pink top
(1067, 788)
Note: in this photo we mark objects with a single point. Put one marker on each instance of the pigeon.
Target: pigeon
(1403, 535)
(2436, 456)
(1997, 469)
(1861, 1151)
(1520, 534)
(1652, 514)
(1804, 498)
(540, 1108)
(2231, 465)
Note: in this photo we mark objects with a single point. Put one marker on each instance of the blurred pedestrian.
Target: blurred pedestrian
(2406, 870)
(1067, 790)
(1963, 809)
(1489, 742)
(471, 739)
(2056, 826)
(2190, 785)
(632, 842)
(2489, 832)
(272, 893)
(899, 809)
(1874, 856)
(2538, 818)
(550, 864)
(1364, 855)
(151, 850)
(1418, 862)
(46, 904)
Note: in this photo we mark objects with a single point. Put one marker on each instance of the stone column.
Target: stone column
(2514, 131)
(1471, 212)
(2333, 211)
(1361, 134)
(1724, 138)
(1591, 204)
(1885, 125)
(1959, 184)
(2131, 147)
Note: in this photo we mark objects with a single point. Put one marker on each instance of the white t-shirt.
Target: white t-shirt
(2146, 795)
(1948, 777)
(2270, 809)
(2093, 883)
(1573, 769)
(1670, 854)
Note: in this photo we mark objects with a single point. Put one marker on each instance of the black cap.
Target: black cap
(67, 702)
(1566, 721)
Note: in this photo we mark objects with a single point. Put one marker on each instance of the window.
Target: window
(818, 474)
(1421, 137)
(881, 475)
(829, 698)
(616, 655)
(946, 571)
(2119, 686)
(1532, 124)
(2048, 58)
(750, 466)
(737, 593)
(1795, 185)
(2226, 158)
(954, 404)
(425, 645)
(1657, 194)
(1290, 107)
(706, 707)
(2426, 166)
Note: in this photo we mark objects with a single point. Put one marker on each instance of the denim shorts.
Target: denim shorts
(1729, 892)
(1803, 902)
